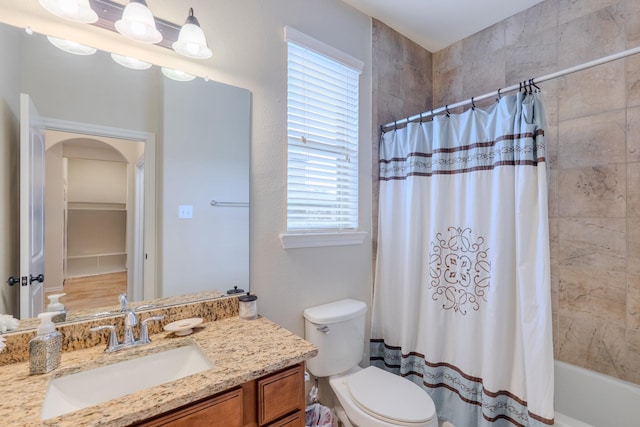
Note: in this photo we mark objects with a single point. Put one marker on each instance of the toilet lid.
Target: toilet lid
(390, 396)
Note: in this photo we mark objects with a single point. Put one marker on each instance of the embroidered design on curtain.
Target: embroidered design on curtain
(462, 295)
(459, 270)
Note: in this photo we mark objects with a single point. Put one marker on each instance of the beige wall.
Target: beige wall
(594, 139)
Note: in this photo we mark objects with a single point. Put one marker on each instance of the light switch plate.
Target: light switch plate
(185, 212)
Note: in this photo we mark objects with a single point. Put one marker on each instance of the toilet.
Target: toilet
(368, 397)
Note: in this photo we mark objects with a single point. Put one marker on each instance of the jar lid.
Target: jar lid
(235, 290)
(248, 297)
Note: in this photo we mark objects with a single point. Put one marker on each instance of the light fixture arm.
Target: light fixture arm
(191, 19)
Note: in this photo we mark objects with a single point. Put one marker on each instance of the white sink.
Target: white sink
(72, 392)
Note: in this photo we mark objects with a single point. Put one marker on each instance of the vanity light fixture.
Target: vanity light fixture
(71, 47)
(129, 62)
(191, 39)
(73, 10)
(178, 75)
(137, 23)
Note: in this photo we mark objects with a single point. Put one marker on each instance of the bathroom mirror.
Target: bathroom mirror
(202, 138)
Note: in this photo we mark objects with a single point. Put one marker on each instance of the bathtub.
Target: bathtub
(585, 398)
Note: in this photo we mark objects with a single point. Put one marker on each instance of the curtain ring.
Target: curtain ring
(473, 104)
(395, 124)
(499, 95)
(447, 108)
(534, 85)
(520, 86)
(420, 118)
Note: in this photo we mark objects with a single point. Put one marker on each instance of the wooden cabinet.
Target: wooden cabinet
(276, 400)
(280, 394)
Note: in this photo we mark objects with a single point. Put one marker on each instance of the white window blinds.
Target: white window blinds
(322, 179)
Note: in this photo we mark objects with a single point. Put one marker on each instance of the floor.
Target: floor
(93, 291)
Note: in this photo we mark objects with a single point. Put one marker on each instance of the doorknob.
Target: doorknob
(38, 278)
(12, 281)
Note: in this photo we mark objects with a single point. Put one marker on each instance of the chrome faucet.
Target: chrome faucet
(130, 321)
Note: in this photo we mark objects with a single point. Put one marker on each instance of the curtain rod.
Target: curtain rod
(512, 88)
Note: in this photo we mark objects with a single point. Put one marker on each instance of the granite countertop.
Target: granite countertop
(242, 350)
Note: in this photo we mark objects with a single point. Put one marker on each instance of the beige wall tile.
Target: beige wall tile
(594, 140)
(633, 304)
(595, 293)
(534, 57)
(598, 243)
(630, 363)
(549, 91)
(592, 344)
(632, 22)
(591, 36)
(483, 75)
(633, 190)
(484, 43)
(592, 91)
(449, 58)
(633, 80)
(447, 87)
(568, 10)
(597, 191)
(541, 18)
(633, 133)
(633, 246)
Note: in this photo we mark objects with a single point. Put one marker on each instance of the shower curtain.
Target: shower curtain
(462, 299)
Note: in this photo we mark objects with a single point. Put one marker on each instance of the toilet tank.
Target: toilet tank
(337, 329)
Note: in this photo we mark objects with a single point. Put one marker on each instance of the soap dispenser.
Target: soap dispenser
(46, 347)
(57, 306)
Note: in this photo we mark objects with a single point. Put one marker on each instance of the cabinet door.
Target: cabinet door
(280, 394)
(224, 410)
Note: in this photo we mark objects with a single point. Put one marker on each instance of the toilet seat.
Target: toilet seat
(390, 398)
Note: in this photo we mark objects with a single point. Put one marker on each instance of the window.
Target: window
(322, 130)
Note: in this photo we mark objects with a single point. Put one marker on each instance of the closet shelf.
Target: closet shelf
(102, 254)
(88, 206)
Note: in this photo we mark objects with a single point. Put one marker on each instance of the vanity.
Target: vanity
(253, 375)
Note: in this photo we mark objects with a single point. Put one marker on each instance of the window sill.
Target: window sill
(314, 240)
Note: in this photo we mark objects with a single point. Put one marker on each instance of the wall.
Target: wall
(54, 220)
(594, 138)
(208, 160)
(251, 54)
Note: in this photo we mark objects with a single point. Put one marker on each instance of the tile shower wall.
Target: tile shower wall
(594, 138)
(401, 87)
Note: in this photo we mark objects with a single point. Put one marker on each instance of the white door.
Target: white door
(32, 156)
